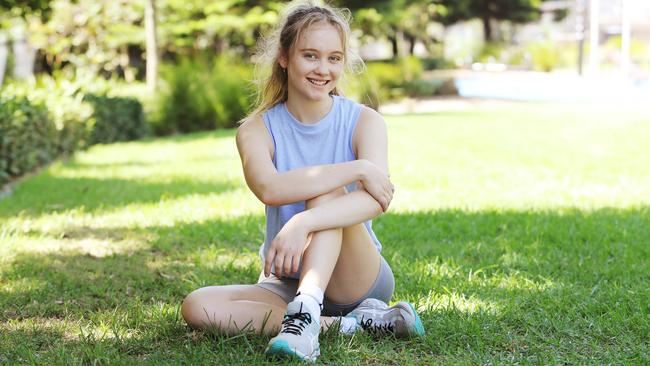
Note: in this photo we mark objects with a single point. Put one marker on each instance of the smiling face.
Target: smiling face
(315, 62)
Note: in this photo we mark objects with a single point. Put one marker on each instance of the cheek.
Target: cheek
(338, 72)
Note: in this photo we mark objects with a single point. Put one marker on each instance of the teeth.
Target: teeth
(318, 82)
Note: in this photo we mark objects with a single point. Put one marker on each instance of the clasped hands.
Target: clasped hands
(289, 244)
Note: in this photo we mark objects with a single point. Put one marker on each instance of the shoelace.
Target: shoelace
(296, 323)
(371, 326)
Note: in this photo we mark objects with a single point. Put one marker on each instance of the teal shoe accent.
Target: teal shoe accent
(281, 349)
(419, 327)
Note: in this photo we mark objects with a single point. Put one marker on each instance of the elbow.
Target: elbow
(268, 196)
(264, 196)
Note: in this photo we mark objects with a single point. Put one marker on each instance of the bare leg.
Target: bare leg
(236, 308)
(344, 262)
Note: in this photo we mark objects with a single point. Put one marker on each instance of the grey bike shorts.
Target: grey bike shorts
(381, 289)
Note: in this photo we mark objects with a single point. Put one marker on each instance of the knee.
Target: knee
(191, 310)
(195, 310)
(319, 200)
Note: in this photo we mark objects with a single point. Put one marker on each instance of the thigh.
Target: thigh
(217, 294)
(233, 308)
(356, 268)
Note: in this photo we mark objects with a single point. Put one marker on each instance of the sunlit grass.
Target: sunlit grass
(522, 233)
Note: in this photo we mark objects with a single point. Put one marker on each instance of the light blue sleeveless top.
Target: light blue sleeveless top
(297, 145)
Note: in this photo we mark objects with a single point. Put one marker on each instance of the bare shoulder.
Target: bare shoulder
(250, 126)
(370, 130)
(253, 133)
(370, 117)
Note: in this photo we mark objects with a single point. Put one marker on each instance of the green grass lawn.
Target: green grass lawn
(522, 233)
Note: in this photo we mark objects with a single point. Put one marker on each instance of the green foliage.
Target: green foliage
(203, 95)
(44, 118)
(27, 7)
(116, 119)
(422, 88)
(639, 53)
(518, 11)
(62, 99)
(108, 37)
(491, 52)
(28, 137)
(384, 81)
(435, 63)
(547, 55)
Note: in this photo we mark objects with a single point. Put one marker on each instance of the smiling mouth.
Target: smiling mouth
(318, 82)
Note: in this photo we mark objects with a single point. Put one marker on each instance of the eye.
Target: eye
(310, 56)
(336, 58)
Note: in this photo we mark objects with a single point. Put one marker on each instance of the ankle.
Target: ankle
(310, 305)
(311, 295)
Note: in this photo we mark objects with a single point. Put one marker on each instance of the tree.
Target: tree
(40, 7)
(152, 45)
(516, 11)
(397, 20)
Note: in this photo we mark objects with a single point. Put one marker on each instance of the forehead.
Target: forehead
(320, 36)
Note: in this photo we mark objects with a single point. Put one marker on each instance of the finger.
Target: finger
(287, 265)
(279, 259)
(294, 264)
(270, 256)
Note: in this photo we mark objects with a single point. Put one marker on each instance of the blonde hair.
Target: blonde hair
(270, 79)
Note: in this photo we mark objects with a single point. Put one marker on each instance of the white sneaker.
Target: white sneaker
(377, 317)
(298, 337)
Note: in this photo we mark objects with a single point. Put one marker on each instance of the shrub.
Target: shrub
(41, 119)
(383, 81)
(436, 63)
(547, 56)
(71, 116)
(28, 137)
(200, 95)
(116, 119)
(422, 88)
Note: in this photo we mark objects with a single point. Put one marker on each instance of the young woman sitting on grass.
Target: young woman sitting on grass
(318, 161)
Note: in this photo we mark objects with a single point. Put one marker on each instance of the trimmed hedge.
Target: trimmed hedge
(39, 122)
(116, 119)
(28, 137)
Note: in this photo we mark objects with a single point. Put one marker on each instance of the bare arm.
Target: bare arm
(272, 188)
(370, 143)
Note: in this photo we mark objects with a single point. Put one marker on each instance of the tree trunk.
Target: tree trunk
(4, 54)
(393, 42)
(487, 28)
(152, 45)
(24, 57)
(411, 40)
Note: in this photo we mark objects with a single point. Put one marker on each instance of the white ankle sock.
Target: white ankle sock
(312, 297)
(348, 325)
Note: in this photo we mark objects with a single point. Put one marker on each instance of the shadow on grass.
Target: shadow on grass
(502, 282)
(62, 194)
(191, 137)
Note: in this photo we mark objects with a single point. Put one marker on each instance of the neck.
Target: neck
(309, 111)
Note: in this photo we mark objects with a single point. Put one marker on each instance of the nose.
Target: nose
(321, 68)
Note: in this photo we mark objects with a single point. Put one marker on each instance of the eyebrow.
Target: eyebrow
(317, 51)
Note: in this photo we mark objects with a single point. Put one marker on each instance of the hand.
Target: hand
(377, 183)
(287, 247)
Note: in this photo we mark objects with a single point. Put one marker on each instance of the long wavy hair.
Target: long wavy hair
(270, 79)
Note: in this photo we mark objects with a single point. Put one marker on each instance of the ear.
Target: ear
(282, 60)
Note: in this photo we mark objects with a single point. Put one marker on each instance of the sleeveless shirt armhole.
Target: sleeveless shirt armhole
(356, 112)
(267, 123)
